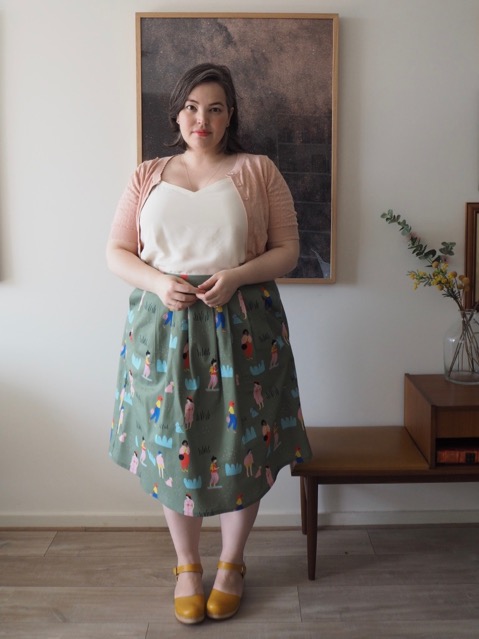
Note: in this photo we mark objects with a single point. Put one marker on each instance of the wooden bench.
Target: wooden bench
(363, 455)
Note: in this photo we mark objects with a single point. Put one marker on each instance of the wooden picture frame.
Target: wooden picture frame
(472, 253)
(285, 69)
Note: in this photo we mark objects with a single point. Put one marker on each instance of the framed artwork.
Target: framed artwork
(472, 253)
(285, 69)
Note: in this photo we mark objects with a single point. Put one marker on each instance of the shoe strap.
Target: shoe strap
(178, 570)
(226, 565)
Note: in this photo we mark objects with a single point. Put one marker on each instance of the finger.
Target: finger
(207, 296)
(180, 304)
(202, 297)
(181, 290)
(173, 303)
(207, 284)
(183, 296)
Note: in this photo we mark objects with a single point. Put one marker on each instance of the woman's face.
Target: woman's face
(204, 118)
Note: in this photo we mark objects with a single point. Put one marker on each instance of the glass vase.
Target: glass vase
(461, 349)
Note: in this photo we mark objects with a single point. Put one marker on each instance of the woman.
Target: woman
(202, 235)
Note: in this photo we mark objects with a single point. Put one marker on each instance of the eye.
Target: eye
(190, 107)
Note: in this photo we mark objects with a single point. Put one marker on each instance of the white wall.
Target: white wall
(408, 139)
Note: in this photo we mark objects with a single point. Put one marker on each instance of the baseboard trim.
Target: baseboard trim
(399, 518)
(264, 520)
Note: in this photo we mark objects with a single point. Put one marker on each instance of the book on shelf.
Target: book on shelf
(457, 452)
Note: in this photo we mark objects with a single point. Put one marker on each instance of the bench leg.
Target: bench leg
(311, 524)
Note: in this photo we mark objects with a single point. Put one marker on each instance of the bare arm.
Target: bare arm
(219, 288)
(274, 263)
(174, 292)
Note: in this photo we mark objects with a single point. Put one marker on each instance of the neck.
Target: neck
(198, 158)
(203, 168)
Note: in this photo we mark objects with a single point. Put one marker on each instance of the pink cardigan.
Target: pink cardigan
(265, 194)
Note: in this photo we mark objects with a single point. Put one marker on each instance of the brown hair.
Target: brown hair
(201, 74)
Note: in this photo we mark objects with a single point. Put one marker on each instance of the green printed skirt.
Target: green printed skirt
(207, 407)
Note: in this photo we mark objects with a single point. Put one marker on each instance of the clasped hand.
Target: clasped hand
(178, 294)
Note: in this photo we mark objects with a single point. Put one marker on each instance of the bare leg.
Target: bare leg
(185, 534)
(235, 529)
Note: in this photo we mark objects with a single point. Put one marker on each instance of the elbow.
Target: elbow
(292, 257)
(287, 255)
(119, 255)
(112, 255)
(109, 257)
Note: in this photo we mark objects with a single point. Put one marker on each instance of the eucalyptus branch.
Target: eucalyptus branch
(415, 244)
(450, 284)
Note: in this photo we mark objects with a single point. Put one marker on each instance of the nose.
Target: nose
(202, 116)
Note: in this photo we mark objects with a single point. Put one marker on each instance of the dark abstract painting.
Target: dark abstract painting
(285, 71)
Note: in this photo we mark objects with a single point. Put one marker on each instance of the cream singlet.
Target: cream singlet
(194, 232)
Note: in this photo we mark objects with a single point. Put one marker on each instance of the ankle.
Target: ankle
(189, 583)
(236, 560)
(188, 559)
(230, 577)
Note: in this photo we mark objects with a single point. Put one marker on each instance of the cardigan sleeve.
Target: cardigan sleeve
(126, 221)
(124, 225)
(282, 220)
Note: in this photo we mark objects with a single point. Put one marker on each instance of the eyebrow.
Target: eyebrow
(211, 104)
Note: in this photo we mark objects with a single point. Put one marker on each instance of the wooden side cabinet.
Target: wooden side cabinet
(443, 419)
(436, 413)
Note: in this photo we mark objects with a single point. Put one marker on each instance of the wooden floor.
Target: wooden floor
(387, 583)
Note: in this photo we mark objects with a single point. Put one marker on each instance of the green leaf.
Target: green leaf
(447, 248)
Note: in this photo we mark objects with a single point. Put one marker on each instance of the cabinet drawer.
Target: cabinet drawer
(457, 423)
